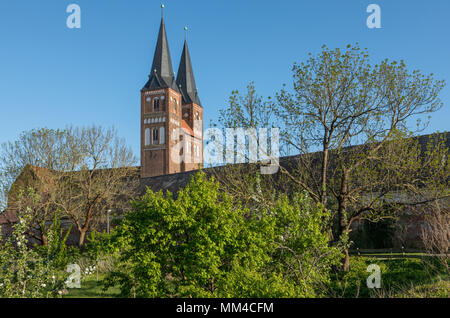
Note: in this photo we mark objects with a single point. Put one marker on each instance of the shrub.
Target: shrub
(57, 250)
(23, 271)
(202, 244)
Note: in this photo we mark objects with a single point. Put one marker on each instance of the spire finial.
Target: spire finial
(185, 32)
(162, 10)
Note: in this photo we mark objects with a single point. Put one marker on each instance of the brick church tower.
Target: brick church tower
(171, 115)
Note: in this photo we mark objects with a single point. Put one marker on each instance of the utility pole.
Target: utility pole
(107, 220)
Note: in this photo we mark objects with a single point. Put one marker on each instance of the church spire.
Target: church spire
(161, 74)
(185, 78)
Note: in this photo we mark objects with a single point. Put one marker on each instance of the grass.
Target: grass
(395, 254)
(400, 278)
(438, 289)
(403, 277)
(91, 288)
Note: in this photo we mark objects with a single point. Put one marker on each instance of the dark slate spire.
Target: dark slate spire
(185, 78)
(161, 74)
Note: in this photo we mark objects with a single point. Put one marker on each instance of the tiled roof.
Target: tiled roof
(161, 74)
(186, 127)
(177, 181)
(8, 216)
(185, 78)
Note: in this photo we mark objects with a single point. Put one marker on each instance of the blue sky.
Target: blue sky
(52, 76)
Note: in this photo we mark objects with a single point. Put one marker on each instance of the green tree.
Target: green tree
(202, 244)
(351, 123)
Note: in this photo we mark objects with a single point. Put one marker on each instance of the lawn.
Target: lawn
(91, 288)
(400, 277)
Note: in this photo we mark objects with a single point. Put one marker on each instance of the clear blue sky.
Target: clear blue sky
(52, 76)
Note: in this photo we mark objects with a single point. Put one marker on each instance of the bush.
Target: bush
(57, 250)
(100, 252)
(23, 271)
(203, 244)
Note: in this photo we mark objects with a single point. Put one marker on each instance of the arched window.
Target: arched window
(147, 136)
(155, 136)
(156, 104)
(163, 103)
(148, 104)
(162, 135)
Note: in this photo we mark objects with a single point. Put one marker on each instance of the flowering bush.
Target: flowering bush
(25, 273)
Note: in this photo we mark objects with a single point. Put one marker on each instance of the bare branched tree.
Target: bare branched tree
(26, 165)
(82, 172)
(436, 232)
(100, 176)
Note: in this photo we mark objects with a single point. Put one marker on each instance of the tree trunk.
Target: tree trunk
(342, 219)
(346, 261)
(323, 193)
(44, 240)
(82, 237)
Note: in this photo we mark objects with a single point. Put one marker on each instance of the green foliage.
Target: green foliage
(58, 252)
(301, 243)
(98, 244)
(352, 283)
(438, 289)
(101, 253)
(399, 278)
(202, 244)
(351, 121)
(25, 273)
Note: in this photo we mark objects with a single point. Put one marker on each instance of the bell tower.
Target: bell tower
(171, 115)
